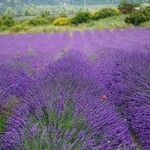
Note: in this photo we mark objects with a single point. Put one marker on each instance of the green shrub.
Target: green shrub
(7, 21)
(105, 12)
(125, 7)
(45, 14)
(37, 21)
(3, 28)
(18, 28)
(147, 8)
(137, 18)
(51, 19)
(136, 4)
(81, 17)
(146, 12)
(62, 21)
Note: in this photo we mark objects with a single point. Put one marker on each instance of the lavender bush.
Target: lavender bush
(82, 91)
(127, 82)
(64, 112)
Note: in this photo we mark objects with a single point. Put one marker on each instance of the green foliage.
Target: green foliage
(63, 122)
(38, 21)
(45, 14)
(146, 11)
(125, 7)
(3, 28)
(81, 17)
(144, 5)
(136, 4)
(7, 21)
(5, 111)
(62, 21)
(2, 122)
(137, 18)
(18, 28)
(105, 12)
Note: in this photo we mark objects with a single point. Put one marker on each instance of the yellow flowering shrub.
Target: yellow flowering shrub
(62, 21)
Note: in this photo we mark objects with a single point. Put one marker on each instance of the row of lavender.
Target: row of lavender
(95, 96)
(87, 41)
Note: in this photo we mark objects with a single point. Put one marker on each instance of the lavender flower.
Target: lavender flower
(63, 112)
(127, 84)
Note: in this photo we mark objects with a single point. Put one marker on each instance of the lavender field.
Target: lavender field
(77, 90)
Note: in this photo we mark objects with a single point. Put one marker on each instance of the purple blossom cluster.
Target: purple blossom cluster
(127, 84)
(67, 99)
(86, 91)
(16, 77)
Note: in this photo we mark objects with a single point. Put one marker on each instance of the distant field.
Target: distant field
(90, 41)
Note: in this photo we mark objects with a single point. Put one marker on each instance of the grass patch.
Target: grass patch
(111, 22)
(145, 24)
